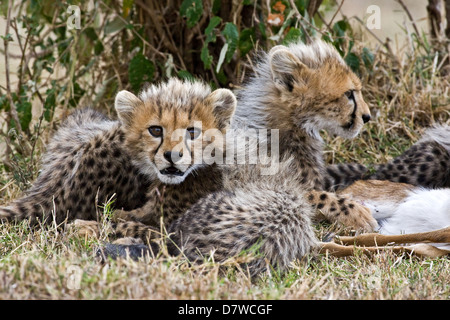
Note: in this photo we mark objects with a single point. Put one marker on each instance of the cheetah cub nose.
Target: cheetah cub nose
(366, 117)
(173, 157)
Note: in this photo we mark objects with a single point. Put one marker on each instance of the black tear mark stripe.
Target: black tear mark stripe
(352, 97)
(160, 144)
(187, 146)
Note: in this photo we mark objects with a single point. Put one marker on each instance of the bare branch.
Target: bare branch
(13, 109)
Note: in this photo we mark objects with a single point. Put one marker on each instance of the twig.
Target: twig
(410, 17)
(337, 11)
(13, 109)
(384, 44)
(300, 19)
(160, 31)
(33, 146)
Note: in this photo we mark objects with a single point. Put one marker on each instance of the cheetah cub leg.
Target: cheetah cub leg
(342, 210)
(85, 228)
(122, 231)
(136, 230)
(90, 228)
(140, 214)
(136, 237)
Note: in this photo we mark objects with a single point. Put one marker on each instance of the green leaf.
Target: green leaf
(115, 25)
(340, 27)
(223, 80)
(210, 37)
(246, 41)
(90, 33)
(24, 112)
(7, 38)
(293, 35)
(262, 30)
(367, 57)
(231, 35)
(352, 61)
(206, 57)
(186, 75)
(98, 48)
(50, 103)
(192, 10)
(140, 70)
(216, 7)
(209, 31)
(3, 102)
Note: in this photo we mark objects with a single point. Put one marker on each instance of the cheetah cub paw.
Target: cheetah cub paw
(342, 210)
(85, 228)
(357, 216)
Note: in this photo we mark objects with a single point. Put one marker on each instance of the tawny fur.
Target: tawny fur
(401, 208)
(268, 213)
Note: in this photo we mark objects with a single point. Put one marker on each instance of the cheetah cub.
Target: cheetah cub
(145, 158)
(300, 90)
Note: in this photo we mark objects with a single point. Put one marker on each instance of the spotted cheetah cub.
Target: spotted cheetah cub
(145, 158)
(301, 90)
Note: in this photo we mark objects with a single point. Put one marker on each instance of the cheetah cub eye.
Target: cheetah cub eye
(193, 133)
(156, 131)
(349, 94)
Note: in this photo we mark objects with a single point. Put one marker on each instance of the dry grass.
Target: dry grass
(40, 264)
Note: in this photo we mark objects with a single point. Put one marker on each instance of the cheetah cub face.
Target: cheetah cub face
(168, 127)
(317, 90)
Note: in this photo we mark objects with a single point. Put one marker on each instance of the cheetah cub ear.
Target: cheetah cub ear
(125, 104)
(276, 48)
(223, 102)
(287, 68)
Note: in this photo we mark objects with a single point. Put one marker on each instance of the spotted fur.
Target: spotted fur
(426, 164)
(268, 214)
